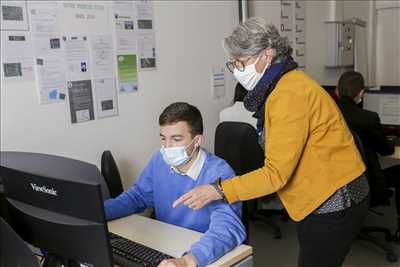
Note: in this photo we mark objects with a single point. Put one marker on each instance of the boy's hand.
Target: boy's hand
(186, 261)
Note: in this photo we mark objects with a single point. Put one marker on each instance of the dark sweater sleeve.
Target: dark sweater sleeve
(380, 143)
(137, 198)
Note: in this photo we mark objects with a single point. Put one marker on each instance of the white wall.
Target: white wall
(269, 10)
(388, 46)
(188, 41)
(317, 12)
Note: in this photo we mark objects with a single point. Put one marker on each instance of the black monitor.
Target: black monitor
(13, 250)
(56, 208)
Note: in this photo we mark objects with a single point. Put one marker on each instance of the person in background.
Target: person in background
(311, 159)
(177, 167)
(366, 124)
(237, 112)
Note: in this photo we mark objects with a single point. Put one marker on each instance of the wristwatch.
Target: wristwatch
(218, 188)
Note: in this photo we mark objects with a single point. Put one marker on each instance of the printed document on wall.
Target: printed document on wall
(48, 51)
(127, 73)
(146, 36)
(287, 19)
(44, 16)
(45, 28)
(84, 17)
(51, 82)
(102, 58)
(147, 50)
(80, 101)
(125, 26)
(106, 97)
(300, 33)
(77, 54)
(300, 22)
(17, 63)
(13, 16)
(218, 82)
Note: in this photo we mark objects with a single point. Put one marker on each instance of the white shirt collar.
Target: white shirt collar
(195, 169)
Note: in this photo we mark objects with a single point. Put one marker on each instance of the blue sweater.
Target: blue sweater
(158, 186)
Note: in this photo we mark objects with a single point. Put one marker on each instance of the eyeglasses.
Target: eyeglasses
(237, 64)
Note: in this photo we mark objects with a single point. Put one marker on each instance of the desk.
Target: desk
(172, 240)
(396, 154)
(391, 160)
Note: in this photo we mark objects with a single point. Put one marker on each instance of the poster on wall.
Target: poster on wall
(125, 26)
(102, 58)
(127, 73)
(45, 28)
(13, 15)
(17, 63)
(80, 101)
(106, 97)
(77, 56)
(146, 36)
(51, 82)
(103, 71)
(49, 52)
(83, 16)
(218, 82)
(147, 50)
(300, 33)
(293, 27)
(287, 19)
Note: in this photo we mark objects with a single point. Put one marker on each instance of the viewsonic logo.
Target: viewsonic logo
(44, 189)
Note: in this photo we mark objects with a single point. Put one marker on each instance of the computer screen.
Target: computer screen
(13, 250)
(385, 102)
(57, 209)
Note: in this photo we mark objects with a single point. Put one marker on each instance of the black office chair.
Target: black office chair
(391, 256)
(14, 252)
(110, 172)
(393, 173)
(237, 143)
(3, 203)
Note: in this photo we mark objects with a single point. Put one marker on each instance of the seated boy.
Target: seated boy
(180, 165)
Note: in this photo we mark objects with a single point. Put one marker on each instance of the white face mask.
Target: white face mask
(176, 156)
(358, 99)
(249, 77)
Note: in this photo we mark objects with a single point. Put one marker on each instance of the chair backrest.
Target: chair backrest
(237, 143)
(359, 145)
(110, 172)
(13, 250)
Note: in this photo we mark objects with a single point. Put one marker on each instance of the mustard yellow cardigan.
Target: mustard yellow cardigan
(309, 150)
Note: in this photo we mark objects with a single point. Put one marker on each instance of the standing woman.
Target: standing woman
(311, 159)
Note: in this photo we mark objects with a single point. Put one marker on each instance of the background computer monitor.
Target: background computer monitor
(55, 208)
(385, 102)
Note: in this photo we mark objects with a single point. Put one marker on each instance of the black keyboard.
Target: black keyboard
(128, 253)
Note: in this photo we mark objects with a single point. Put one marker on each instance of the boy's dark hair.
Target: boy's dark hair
(181, 111)
(240, 93)
(350, 84)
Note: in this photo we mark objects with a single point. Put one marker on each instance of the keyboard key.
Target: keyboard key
(128, 253)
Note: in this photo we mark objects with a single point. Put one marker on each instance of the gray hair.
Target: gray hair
(254, 35)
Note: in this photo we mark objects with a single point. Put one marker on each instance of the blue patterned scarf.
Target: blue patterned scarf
(256, 98)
